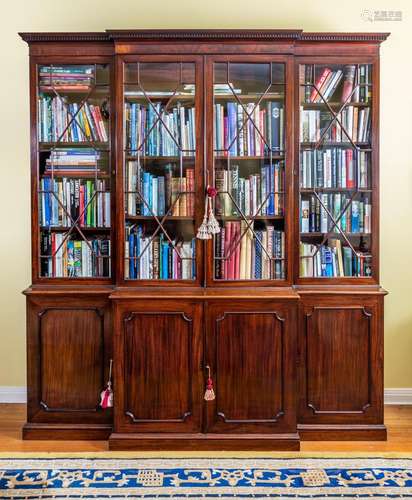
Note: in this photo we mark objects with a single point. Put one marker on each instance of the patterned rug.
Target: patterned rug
(199, 478)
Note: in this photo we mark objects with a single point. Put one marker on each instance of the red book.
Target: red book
(349, 77)
(320, 82)
(228, 235)
(236, 239)
(350, 177)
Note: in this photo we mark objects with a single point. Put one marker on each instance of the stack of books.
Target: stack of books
(66, 200)
(157, 258)
(72, 162)
(56, 122)
(354, 120)
(239, 255)
(72, 258)
(357, 218)
(159, 193)
(66, 78)
(149, 136)
(335, 260)
(334, 168)
(258, 194)
(237, 135)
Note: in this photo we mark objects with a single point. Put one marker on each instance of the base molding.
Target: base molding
(341, 432)
(194, 442)
(70, 432)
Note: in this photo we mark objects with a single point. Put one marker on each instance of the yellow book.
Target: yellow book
(243, 251)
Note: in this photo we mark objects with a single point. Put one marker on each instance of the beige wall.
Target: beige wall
(81, 15)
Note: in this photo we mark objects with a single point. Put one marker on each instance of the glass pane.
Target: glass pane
(74, 171)
(159, 171)
(335, 171)
(249, 170)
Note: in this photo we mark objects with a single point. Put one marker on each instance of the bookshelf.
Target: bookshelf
(281, 306)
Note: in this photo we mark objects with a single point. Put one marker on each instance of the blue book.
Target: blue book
(355, 217)
(232, 127)
(131, 256)
(161, 196)
(329, 261)
(47, 187)
(165, 260)
(146, 193)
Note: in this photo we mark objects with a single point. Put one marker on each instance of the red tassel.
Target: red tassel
(106, 396)
(209, 393)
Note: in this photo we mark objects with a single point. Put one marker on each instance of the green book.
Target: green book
(347, 261)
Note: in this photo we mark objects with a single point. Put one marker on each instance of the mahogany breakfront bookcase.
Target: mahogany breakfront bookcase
(283, 306)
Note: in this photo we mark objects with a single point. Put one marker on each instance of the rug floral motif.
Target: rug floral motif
(210, 478)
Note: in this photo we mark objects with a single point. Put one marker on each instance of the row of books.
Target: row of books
(69, 122)
(355, 122)
(174, 132)
(238, 135)
(72, 161)
(148, 257)
(333, 260)
(357, 218)
(67, 200)
(66, 77)
(240, 255)
(258, 194)
(351, 83)
(71, 258)
(159, 193)
(334, 168)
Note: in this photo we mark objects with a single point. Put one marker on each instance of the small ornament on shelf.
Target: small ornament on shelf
(209, 224)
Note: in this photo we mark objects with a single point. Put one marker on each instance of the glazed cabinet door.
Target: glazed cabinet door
(341, 360)
(158, 361)
(251, 355)
(69, 351)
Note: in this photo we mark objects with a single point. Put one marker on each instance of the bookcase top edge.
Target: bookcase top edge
(246, 34)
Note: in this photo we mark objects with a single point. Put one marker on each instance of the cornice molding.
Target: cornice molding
(344, 37)
(207, 35)
(65, 37)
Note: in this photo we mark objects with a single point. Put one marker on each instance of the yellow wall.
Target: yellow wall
(90, 15)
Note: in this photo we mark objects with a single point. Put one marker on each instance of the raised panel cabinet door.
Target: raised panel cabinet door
(68, 360)
(160, 348)
(250, 352)
(341, 362)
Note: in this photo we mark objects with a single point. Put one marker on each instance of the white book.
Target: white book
(324, 218)
(304, 216)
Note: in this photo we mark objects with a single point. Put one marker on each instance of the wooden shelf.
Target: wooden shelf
(244, 158)
(334, 235)
(322, 105)
(97, 145)
(160, 217)
(327, 144)
(85, 229)
(335, 190)
(248, 217)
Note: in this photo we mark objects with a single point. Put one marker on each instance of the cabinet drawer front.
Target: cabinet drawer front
(160, 357)
(250, 352)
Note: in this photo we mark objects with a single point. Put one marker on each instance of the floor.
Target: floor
(397, 418)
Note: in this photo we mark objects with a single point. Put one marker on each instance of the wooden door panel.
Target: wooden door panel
(341, 365)
(250, 352)
(162, 386)
(68, 349)
(72, 345)
(338, 357)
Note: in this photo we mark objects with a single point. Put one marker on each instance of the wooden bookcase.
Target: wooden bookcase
(284, 306)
